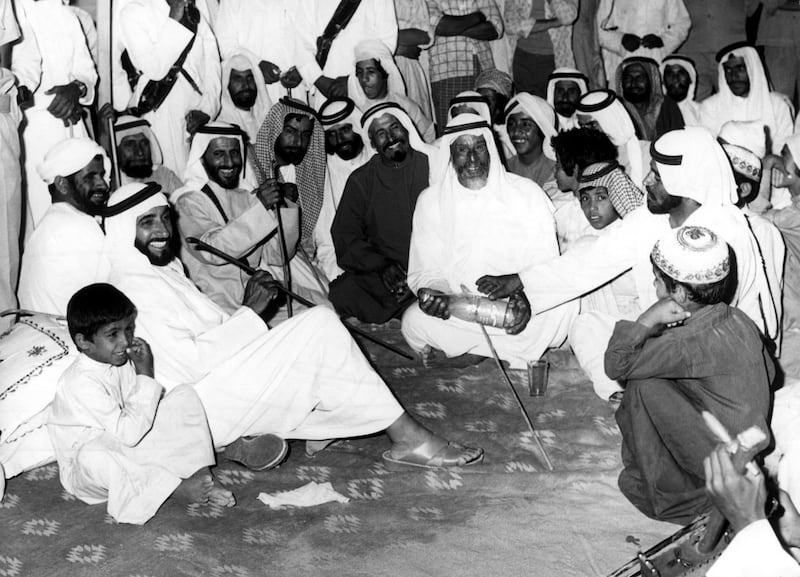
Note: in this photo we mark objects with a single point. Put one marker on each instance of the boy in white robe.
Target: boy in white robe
(116, 439)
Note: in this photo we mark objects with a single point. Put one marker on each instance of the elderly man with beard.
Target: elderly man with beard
(679, 77)
(220, 208)
(305, 379)
(345, 151)
(639, 83)
(744, 94)
(372, 227)
(139, 154)
(478, 220)
(565, 86)
(245, 100)
(290, 148)
(690, 183)
(64, 253)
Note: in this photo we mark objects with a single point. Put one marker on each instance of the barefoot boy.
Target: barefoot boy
(688, 352)
(115, 436)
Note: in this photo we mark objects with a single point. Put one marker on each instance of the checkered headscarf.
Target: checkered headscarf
(310, 172)
(623, 194)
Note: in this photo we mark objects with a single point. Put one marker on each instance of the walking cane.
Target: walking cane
(287, 273)
(200, 245)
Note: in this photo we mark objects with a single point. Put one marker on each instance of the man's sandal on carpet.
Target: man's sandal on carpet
(433, 455)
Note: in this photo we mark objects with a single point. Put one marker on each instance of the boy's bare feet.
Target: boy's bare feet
(202, 488)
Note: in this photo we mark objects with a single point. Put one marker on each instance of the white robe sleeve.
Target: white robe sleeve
(225, 28)
(83, 68)
(26, 59)
(211, 81)
(305, 42)
(784, 124)
(9, 30)
(608, 32)
(755, 550)
(427, 246)
(154, 41)
(676, 25)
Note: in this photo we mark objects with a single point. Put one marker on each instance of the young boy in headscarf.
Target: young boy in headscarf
(606, 195)
(687, 353)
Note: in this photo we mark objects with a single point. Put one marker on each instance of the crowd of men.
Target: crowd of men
(380, 159)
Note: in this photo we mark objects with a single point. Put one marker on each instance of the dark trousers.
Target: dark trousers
(364, 296)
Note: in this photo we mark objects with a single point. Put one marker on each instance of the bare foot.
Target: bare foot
(197, 488)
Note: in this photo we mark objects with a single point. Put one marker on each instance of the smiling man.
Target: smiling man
(531, 123)
(744, 94)
(220, 208)
(65, 251)
(478, 220)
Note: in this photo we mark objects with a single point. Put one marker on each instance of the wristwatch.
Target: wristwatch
(82, 87)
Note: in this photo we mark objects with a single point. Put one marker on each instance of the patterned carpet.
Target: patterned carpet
(508, 516)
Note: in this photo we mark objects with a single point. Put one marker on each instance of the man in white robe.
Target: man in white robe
(744, 94)
(54, 66)
(65, 252)
(155, 33)
(245, 100)
(565, 86)
(632, 28)
(10, 173)
(139, 155)
(218, 207)
(265, 28)
(601, 109)
(690, 183)
(375, 19)
(679, 78)
(305, 379)
(345, 150)
(478, 220)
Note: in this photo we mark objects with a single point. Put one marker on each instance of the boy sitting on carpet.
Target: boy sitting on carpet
(688, 352)
(115, 437)
(606, 195)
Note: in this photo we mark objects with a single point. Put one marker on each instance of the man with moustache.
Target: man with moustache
(219, 207)
(565, 86)
(679, 77)
(290, 148)
(245, 100)
(690, 183)
(372, 228)
(478, 220)
(139, 155)
(64, 253)
(345, 152)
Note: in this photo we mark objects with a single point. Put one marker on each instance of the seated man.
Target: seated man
(219, 208)
(290, 148)
(639, 84)
(345, 151)
(372, 227)
(117, 438)
(305, 379)
(679, 77)
(687, 353)
(531, 123)
(744, 94)
(479, 220)
(602, 110)
(139, 155)
(65, 251)
(565, 86)
(245, 101)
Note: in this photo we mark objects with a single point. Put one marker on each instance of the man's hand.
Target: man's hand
(434, 303)
(195, 119)
(24, 97)
(332, 87)
(789, 522)
(291, 78)
(665, 313)
(394, 279)
(270, 72)
(521, 308)
(269, 193)
(499, 287)
(741, 497)
(411, 51)
(260, 290)
(631, 42)
(142, 357)
(289, 191)
(652, 41)
(177, 8)
(65, 105)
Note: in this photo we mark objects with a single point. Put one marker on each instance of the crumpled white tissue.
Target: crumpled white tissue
(308, 495)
